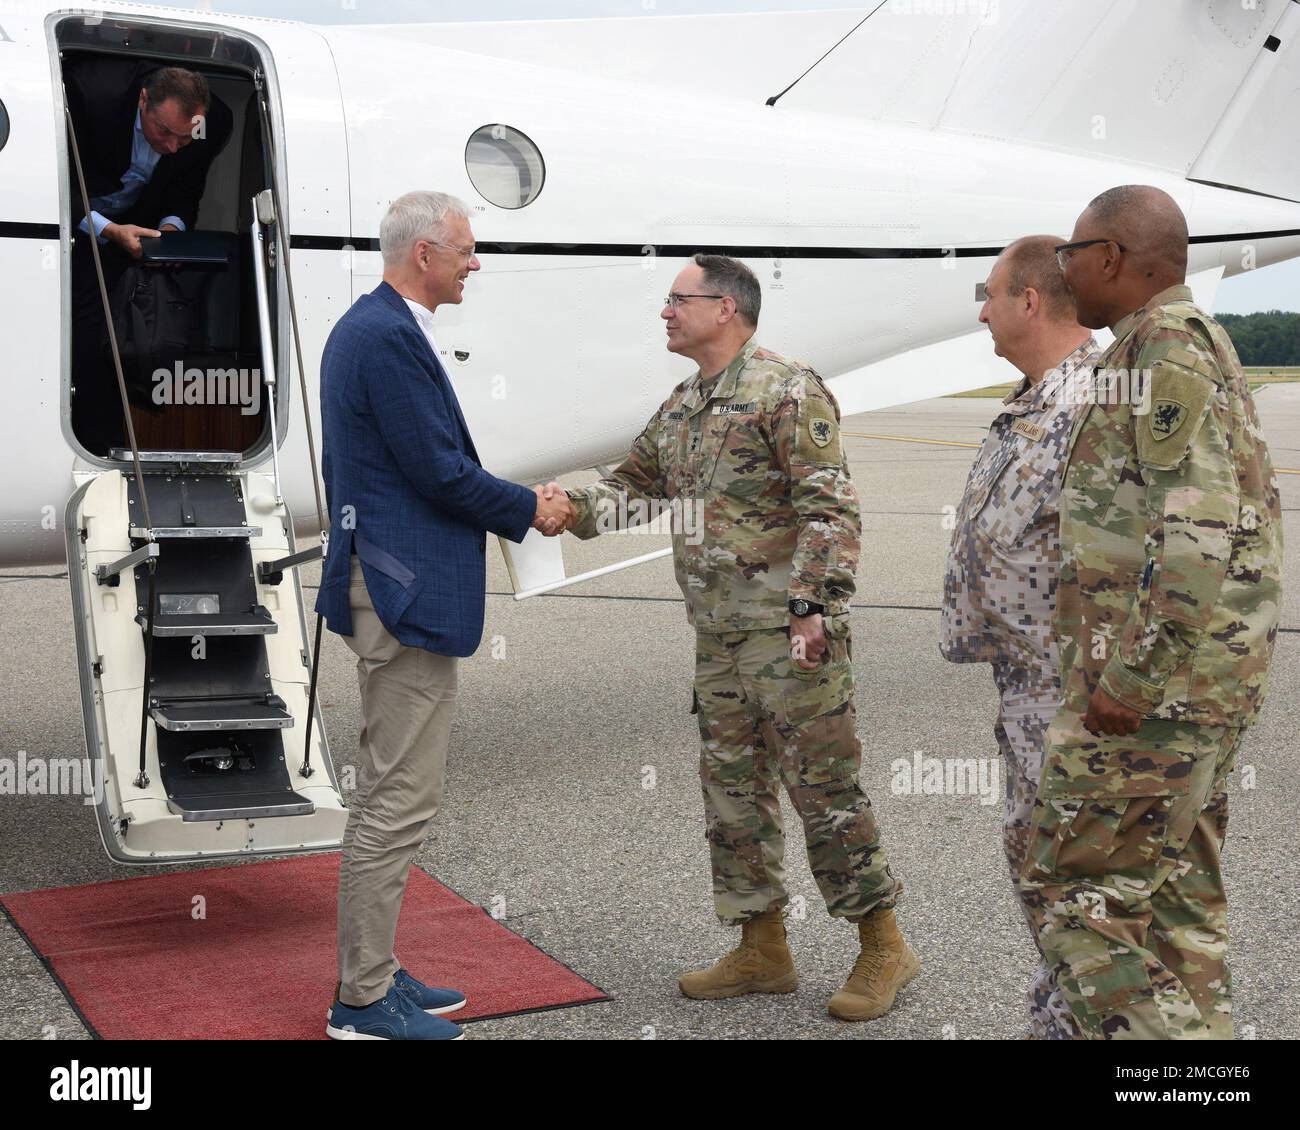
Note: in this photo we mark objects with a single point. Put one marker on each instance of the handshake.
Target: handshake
(555, 512)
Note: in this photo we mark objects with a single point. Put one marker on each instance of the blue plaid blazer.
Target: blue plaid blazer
(404, 484)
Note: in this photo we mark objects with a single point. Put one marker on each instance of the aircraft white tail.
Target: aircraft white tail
(1195, 87)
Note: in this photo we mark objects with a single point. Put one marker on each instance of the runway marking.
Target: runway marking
(956, 443)
(678, 600)
(912, 439)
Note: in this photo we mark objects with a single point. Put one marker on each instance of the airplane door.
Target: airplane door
(190, 619)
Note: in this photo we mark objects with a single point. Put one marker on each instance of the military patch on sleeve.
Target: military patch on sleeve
(1167, 417)
(817, 440)
(1179, 398)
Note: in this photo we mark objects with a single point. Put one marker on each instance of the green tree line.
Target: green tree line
(1271, 337)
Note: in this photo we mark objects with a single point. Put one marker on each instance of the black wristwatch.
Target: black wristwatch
(801, 608)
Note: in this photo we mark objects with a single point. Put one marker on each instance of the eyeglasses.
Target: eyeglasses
(469, 252)
(674, 299)
(1065, 250)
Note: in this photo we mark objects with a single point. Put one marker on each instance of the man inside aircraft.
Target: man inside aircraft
(751, 442)
(1000, 583)
(147, 136)
(1167, 612)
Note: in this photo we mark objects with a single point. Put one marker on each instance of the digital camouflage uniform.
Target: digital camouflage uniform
(758, 449)
(1171, 547)
(999, 596)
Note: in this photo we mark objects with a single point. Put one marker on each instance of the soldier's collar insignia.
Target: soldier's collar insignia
(820, 430)
(1167, 417)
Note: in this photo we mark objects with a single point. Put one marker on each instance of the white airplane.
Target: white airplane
(870, 197)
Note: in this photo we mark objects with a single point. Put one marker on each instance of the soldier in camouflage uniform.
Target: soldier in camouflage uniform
(1171, 547)
(751, 443)
(1000, 583)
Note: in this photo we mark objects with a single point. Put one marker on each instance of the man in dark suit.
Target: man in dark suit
(403, 583)
(147, 136)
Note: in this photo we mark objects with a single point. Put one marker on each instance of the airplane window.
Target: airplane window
(4, 125)
(504, 165)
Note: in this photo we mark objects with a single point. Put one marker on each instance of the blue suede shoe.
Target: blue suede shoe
(436, 1002)
(394, 1017)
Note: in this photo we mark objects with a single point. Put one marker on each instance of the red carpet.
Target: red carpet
(139, 963)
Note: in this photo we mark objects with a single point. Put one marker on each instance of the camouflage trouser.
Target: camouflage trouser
(1030, 698)
(762, 720)
(1123, 882)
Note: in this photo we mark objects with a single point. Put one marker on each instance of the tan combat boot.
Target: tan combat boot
(884, 966)
(760, 964)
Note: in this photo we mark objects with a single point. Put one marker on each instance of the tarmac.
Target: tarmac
(573, 804)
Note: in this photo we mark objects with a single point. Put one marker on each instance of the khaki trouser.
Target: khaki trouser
(408, 697)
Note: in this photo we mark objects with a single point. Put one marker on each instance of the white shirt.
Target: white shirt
(424, 316)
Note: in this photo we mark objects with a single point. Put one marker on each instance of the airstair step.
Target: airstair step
(257, 622)
(195, 532)
(221, 716)
(231, 458)
(241, 805)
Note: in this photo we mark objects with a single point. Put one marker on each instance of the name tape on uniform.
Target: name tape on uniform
(1030, 431)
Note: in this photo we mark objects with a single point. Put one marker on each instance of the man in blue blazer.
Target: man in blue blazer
(403, 583)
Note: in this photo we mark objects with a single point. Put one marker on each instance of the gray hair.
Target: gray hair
(732, 278)
(1031, 262)
(416, 216)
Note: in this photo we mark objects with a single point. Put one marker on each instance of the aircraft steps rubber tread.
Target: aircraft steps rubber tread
(242, 806)
(160, 532)
(219, 730)
(257, 622)
(180, 717)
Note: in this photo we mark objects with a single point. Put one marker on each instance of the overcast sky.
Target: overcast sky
(1276, 287)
